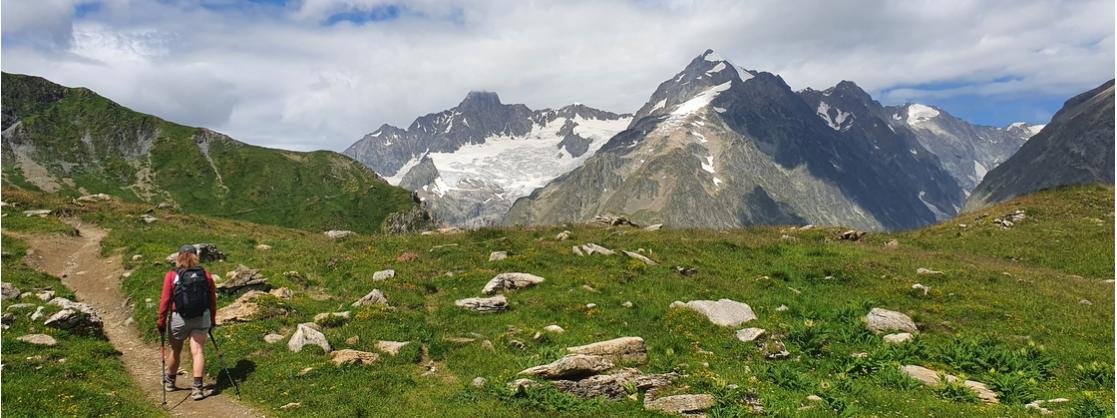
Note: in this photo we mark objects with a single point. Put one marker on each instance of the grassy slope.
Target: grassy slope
(80, 376)
(988, 310)
(318, 190)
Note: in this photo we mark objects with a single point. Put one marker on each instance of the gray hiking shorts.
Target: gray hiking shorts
(182, 328)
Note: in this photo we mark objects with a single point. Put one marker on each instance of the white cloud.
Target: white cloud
(280, 77)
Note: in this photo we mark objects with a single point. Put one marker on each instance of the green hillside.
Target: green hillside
(72, 141)
(1025, 309)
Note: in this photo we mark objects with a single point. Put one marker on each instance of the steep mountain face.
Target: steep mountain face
(470, 163)
(967, 151)
(73, 141)
(1075, 148)
(720, 146)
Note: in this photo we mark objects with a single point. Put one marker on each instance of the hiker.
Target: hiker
(190, 299)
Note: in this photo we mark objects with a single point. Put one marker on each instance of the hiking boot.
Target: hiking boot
(198, 393)
(169, 385)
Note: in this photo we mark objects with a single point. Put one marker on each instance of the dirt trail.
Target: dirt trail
(96, 281)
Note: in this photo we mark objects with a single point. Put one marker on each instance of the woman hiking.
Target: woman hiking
(190, 300)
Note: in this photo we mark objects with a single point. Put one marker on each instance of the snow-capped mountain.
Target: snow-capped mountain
(470, 163)
(720, 146)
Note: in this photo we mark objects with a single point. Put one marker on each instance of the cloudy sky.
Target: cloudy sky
(318, 74)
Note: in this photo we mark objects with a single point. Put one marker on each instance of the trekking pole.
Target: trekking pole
(163, 370)
(221, 362)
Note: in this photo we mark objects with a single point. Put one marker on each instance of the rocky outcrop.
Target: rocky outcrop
(78, 318)
(414, 220)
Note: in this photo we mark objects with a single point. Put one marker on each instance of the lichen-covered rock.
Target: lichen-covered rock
(498, 255)
(383, 275)
(640, 257)
(243, 309)
(510, 281)
(243, 279)
(749, 334)
(391, 347)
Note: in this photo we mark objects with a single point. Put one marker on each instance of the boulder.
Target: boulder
(243, 309)
(273, 338)
(882, 320)
(498, 255)
(329, 318)
(681, 404)
(510, 281)
(724, 312)
(349, 356)
(922, 271)
(39, 339)
(626, 349)
(749, 334)
(283, 293)
(375, 297)
(383, 275)
(578, 250)
(243, 279)
(640, 257)
(308, 334)
(898, 338)
(932, 378)
(484, 305)
(336, 234)
(615, 385)
(77, 321)
(8, 291)
(571, 366)
(391, 347)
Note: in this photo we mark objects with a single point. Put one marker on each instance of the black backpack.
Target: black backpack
(192, 293)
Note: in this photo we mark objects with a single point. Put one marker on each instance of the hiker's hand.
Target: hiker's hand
(162, 325)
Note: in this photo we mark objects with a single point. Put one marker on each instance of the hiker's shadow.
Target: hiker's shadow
(239, 372)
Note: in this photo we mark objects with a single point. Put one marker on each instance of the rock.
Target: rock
(305, 371)
(851, 235)
(391, 347)
(749, 334)
(273, 338)
(623, 349)
(39, 339)
(207, 253)
(308, 334)
(243, 279)
(922, 271)
(724, 312)
(640, 257)
(1038, 407)
(883, 320)
(931, 378)
(7, 319)
(591, 249)
(478, 382)
(263, 247)
(554, 329)
(283, 293)
(408, 221)
(591, 306)
(898, 338)
(653, 227)
(1085, 302)
(498, 255)
(922, 288)
(327, 318)
(336, 234)
(375, 297)
(291, 405)
(45, 295)
(137, 257)
(571, 366)
(407, 256)
(42, 213)
(148, 218)
(782, 308)
(814, 398)
(348, 356)
(686, 270)
(93, 198)
(383, 275)
(510, 281)
(609, 219)
(681, 404)
(77, 321)
(578, 250)
(615, 385)
(774, 350)
(38, 314)
(18, 306)
(892, 244)
(520, 386)
(354, 340)
(243, 309)
(562, 236)
(484, 305)
(8, 291)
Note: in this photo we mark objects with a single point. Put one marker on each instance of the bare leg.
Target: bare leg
(175, 355)
(197, 352)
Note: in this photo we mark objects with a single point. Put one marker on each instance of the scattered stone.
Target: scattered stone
(207, 253)
(782, 308)
(243, 309)
(627, 304)
(578, 250)
(283, 293)
(1085, 302)
(407, 256)
(511, 281)
(391, 347)
(336, 234)
(273, 338)
(484, 305)
(354, 340)
(640, 257)
(39, 339)
(460, 340)
(243, 279)
(17, 306)
(562, 236)
(291, 405)
(478, 382)
(653, 227)
(686, 270)
(920, 287)
(308, 334)
(806, 227)
(348, 356)
(498, 255)
(45, 295)
(859, 354)
(42, 213)
(851, 235)
(8, 291)
(305, 371)
(137, 257)
(749, 334)
(788, 238)
(623, 349)
(724, 312)
(554, 329)
(263, 247)
(609, 219)
(326, 318)
(814, 398)
(571, 366)
(591, 249)
(892, 244)
(589, 288)
(375, 297)
(148, 218)
(520, 386)
(38, 314)
(684, 405)
(774, 350)
(883, 320)
(927, 272)
(931, 378)
(615, 385)
(898, 338)
(383, 275)
(591, 306)
(93, 198)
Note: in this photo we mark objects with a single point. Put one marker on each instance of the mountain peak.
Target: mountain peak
(478, 98)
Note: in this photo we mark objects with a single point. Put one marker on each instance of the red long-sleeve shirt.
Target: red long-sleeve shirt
(166, 304)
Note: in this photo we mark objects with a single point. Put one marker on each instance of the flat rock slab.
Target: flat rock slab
(510, 281)
(898, 338)
(615, 385)
(391, 347)
(749, 334)
(273, 338)
(308, 334)
(331, 317)
(39, 339)
(626, 349)
(882, 320)
(498, 255)
(484, 305)
(932, 378)
(347, 356)
(243, 309)
(571, 366)
(641, 257)
(681, 404)
(724, 312)
(339, 234)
